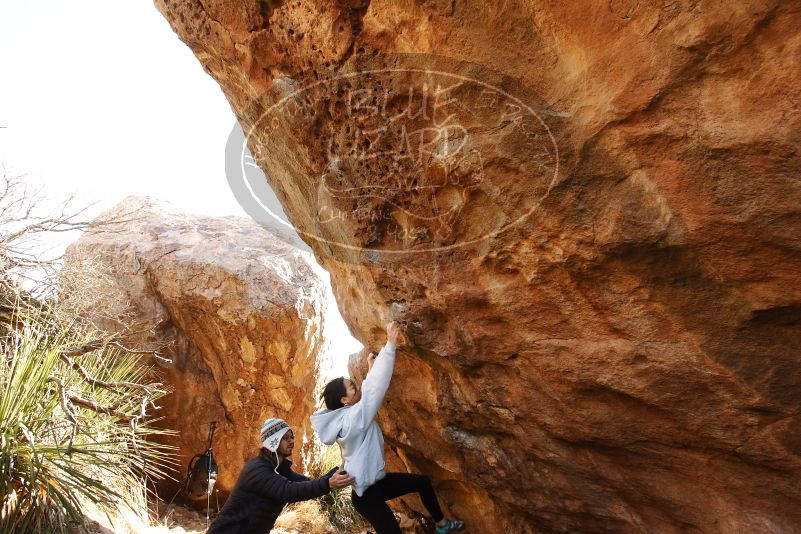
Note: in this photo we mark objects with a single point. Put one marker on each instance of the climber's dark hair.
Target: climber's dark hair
(333, 393)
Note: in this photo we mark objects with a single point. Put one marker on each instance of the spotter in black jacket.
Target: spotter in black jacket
(260, 495)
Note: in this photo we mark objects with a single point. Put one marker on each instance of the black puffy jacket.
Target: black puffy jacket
(260, 495)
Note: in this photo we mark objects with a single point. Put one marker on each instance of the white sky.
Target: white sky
(100, 98)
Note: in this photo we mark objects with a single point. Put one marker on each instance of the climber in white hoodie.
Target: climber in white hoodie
(350, 421)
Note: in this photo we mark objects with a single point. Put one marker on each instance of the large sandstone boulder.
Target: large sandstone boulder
(586, 214)
(239, 313)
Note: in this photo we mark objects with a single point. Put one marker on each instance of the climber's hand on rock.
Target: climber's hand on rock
(340, 479)
(371, 360)
(393, 332)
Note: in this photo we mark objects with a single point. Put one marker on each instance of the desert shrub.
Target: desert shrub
(74, 425)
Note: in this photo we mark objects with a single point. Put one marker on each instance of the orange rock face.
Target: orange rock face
(238, 312)
(586, 215)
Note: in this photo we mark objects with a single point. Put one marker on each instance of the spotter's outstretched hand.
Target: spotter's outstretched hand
(340, 479)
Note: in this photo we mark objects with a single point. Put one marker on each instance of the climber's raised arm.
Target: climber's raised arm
(364, 402)
(376, 383)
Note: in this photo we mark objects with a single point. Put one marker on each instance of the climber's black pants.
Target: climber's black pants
(373, 507)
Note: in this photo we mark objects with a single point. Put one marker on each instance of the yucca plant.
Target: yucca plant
(74, 425)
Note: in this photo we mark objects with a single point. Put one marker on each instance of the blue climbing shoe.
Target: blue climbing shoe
(450, 525)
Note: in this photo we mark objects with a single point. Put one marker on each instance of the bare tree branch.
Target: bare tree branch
(97, 344)
(27, 225)
(92, 405)
(69, 412)
(96, 382)
(154, 353)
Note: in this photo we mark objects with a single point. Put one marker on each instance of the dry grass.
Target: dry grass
(178, 521)
(336, 505)
(300, 518)
(306, 517)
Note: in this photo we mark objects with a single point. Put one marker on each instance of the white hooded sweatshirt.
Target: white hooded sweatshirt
(355, 428)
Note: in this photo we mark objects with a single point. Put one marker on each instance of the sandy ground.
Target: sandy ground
(300, 518)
